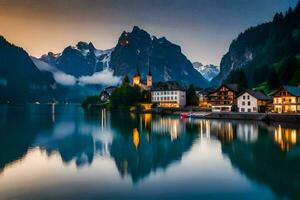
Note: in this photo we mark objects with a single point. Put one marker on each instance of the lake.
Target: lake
(61, 152)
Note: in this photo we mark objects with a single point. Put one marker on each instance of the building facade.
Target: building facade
(252, 101)
(168, 94)
(223, 98)
(287, 99)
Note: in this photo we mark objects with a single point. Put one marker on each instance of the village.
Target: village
(225, 101)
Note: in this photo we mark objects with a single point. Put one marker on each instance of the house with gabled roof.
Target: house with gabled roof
(287, 99)
(253, 101)
(223, 98)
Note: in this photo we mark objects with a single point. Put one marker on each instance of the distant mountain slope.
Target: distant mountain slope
(166, 59)
(266, 54)
(20, 79)
(83, 59)
(135, 47)
(207, 71)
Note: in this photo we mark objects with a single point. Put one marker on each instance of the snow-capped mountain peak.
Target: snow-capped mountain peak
(207, 71)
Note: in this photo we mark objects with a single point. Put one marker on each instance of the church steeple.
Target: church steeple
(149, 77)
(137, 70)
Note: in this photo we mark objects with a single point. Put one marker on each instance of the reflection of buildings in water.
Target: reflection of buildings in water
(170, 126)
(135, 138)
(53, 112)
(286, 138)
(247, 132)
(223, 130)
(205, 128)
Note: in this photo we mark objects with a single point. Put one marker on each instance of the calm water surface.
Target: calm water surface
(63, 153)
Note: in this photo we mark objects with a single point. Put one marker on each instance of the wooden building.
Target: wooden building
(287, 99)
(223, 99)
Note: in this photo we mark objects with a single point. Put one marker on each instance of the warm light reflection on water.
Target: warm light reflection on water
(122, 155)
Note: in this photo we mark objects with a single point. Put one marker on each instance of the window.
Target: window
(248, 97)
(242, 109)
(244, 97)
(249, 103)
(243, 103)
(249, 109)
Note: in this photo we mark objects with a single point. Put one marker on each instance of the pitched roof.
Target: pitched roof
(256, 94)
(293, 90)
(167, 86)
(234, 87)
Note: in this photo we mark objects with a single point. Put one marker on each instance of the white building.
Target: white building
(252, 101)
(168, 94)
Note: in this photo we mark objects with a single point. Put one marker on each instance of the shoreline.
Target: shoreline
(266, 117)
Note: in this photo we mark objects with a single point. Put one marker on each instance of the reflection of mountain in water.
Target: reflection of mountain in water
(153, 144)
(267, 160)
(18, 132)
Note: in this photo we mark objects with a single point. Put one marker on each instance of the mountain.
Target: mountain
(207, 71)
(165, 58)
(20, 79)
(133, 48)
(83, 59)
(266, 55)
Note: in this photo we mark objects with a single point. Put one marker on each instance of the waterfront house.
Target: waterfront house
(223, 99)
(286, 99)
(252, 101)
(168, 94)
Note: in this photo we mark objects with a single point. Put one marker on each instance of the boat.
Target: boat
(186, 115)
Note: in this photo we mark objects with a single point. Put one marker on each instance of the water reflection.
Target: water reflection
(142, 145)
(285, 138)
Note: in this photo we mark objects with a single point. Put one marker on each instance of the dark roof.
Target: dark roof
(167, 86)
(292, 90)
(232, 87)
(256, 94)
(205, 91)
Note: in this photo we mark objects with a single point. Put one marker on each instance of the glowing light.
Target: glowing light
(136, 137)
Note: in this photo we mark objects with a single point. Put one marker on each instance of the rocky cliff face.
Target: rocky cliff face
(133, 48)
(83, 59)
(165, 58)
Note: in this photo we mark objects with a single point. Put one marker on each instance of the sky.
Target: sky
(203, 28)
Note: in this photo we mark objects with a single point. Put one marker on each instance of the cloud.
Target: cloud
(64, 79)
(104, 77)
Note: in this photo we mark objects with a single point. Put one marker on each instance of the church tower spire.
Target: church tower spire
(149, 76)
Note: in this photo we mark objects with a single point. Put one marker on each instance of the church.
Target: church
(144, 84)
